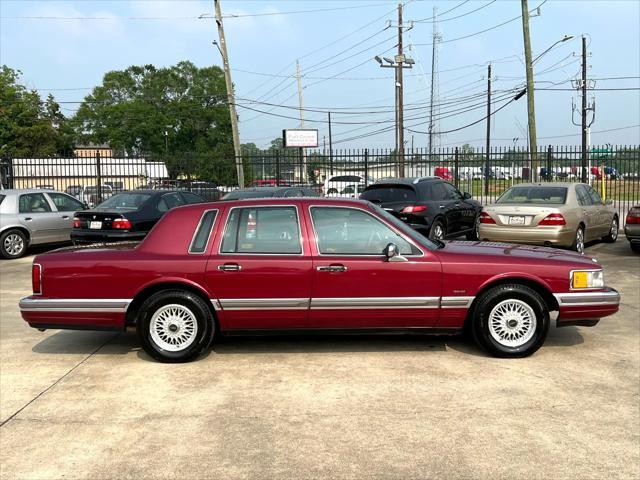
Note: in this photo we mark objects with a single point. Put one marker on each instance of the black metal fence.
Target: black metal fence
(613, 170)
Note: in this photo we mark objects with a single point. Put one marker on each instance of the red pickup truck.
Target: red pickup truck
(311, 264)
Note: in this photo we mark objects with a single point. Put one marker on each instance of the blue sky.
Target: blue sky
(71, 50)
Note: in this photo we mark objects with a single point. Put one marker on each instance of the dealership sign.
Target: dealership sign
(300, 137)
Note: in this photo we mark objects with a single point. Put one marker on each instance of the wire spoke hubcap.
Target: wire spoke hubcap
(173, 327)
(580, 241)
(512, 323)
(438, 233)
(13, 244)
(614, 230)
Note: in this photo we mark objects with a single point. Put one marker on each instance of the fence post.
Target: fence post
(487, 174)
(98, 178)
(549, 154)
(366, 167)
(455, 167)
(277, 168)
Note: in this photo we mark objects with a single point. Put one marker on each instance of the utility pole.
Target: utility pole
(434, 80)
(299, 94)
(585, 175)
(487, 153)
(230, 96)
(330, 146)
(400, 59)
(531, 112)
(585, 125)
(303, 157)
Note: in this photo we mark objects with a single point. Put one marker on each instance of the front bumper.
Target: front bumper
(91, 236)
(586, 308)
(528, 235)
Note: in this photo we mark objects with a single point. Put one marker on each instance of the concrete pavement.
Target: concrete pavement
(91, 405)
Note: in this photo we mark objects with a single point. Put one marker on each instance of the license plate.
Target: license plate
(516, 220)
(95, 225)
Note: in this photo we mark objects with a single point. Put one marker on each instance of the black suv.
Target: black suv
(430, 205)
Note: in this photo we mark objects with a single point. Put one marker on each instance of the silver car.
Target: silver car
(34, 217)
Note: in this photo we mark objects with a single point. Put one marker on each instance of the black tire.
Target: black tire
(578, 245)
(474, 234)
(185, 303)
(519, 296)
(635, 247)
(13, 244)
(436, 227)
(612, 236)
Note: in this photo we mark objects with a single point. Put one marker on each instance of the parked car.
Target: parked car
(337, 183)
(274, 265)
(557, 214)
(34, 217)
(128, 215)
(350, 191)
(264, 192)
(632, 228)
(89, 194)
(433, 207)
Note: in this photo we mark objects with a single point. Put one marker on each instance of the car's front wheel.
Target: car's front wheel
(510, 321)
(175, 326)
(13, 244)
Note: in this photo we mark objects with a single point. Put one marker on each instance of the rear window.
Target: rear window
(126, 201)
(534, 194)
(203, 232)
(2, 198)
(389, 194)
(346, 178)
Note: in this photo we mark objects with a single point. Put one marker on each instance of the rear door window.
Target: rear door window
(169, 201)
(438, 191)
(191, 197)
(389, 194)
(33, 203)
(596, 199)
(584, 198)
(262, 230)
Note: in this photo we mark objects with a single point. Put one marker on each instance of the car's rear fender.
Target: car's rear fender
(169, 283)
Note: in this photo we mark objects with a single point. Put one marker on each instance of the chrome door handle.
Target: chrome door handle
(332, 268)
(230, 267)
(66, 217)
(28, 219)
(441, 206)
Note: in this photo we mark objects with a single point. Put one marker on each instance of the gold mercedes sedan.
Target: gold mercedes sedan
(551, 214)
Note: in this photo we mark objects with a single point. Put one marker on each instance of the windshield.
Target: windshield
(534, 194)
(389, 193)
(404, 228)
(125, 201)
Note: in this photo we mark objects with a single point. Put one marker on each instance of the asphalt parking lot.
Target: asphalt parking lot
(93, 405)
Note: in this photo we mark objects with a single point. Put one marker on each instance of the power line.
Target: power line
(295, 12)
(481, 31)
(459, 16)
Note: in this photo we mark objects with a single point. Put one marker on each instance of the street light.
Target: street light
(563, 39)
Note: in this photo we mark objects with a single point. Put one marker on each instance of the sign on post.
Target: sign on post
(300, 137)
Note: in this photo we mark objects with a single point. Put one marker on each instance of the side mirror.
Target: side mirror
(85, 205)
(466, 196)
(392, 253)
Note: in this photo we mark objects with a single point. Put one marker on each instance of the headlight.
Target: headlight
(587, 279)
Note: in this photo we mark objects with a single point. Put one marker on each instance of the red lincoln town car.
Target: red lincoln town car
(311, 264)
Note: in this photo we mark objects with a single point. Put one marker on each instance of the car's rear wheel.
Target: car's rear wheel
(612, 236)
(510, 321)
(438, 230)
(175, 326)
(475, 233)
(13, 244)
(578, 241)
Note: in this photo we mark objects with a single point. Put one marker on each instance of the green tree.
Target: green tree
(30, 127)
(177, 113)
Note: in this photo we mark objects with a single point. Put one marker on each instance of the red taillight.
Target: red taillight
(486, 218)
(414, 209)
(633, 217)
(121, 224)
(553, 219)
(36, 278)
(76, 222)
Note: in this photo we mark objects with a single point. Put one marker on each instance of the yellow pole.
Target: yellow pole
(604, 189)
